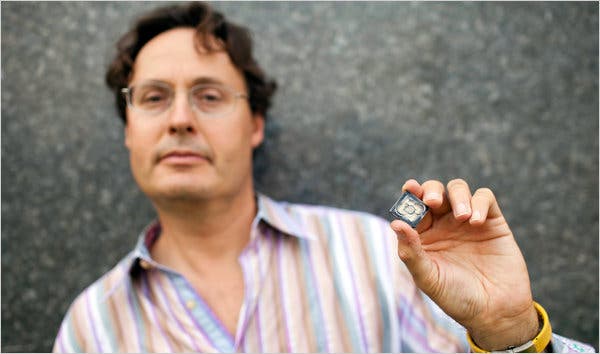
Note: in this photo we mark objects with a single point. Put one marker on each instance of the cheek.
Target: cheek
(237, 146)
(136, 161)
(140, 149)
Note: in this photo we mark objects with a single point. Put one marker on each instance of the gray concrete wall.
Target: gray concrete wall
(503, 95)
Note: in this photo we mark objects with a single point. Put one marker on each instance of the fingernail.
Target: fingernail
(476, 216)
(461, 209)
(432, 196)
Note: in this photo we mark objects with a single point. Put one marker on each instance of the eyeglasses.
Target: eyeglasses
(210, 100)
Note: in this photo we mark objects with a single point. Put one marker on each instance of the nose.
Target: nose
(182, 119)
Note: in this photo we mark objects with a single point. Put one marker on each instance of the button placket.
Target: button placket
(202, 315)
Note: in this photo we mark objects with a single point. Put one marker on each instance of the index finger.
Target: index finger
(414, 187)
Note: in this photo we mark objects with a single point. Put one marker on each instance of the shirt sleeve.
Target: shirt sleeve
(561, 344)
(435, 330)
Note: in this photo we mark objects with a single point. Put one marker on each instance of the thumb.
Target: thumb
(414, 256)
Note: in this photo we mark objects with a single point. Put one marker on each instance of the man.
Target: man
(225, 268)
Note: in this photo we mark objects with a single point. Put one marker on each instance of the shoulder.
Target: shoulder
(85, 325)
(110, 283)
(365, 239)
(302, 211)
(338, 221)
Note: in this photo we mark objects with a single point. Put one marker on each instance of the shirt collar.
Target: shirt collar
(279, 216)
(142, 248)
(275, 214)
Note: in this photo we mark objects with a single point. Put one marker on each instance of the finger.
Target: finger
(412, 254)
(433, 197)
(459, 195)
(480, 204)
(414, 187)
(483, 204)
(432, 193)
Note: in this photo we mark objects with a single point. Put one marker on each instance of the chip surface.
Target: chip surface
(409, 209)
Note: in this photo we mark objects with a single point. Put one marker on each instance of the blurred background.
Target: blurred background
(371, 94)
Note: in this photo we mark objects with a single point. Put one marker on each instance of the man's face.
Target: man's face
(180, 154)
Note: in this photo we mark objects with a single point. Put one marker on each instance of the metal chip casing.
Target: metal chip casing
(409, 209)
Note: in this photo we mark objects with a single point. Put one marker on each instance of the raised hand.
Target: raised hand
(464, 257)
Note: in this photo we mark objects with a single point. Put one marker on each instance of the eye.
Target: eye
(151, 96)
(208, 96)
(154, 97)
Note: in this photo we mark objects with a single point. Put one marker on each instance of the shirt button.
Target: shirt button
(190, 304)
(144, 264)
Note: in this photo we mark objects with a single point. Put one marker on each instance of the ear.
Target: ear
(258, 130)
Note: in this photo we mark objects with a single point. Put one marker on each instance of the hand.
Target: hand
(465, 258)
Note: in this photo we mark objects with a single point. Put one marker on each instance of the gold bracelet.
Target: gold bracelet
(536, 345)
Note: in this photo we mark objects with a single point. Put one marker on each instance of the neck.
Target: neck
(196, 235)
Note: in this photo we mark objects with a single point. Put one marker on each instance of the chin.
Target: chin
(186, 192)
(179, 190)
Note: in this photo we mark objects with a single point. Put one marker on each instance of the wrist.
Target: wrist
(502, 333)
(512, 341)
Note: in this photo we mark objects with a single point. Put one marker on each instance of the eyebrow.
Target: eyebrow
(196, 81)
(206, 80)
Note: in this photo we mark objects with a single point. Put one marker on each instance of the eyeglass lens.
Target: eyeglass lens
(155, 98)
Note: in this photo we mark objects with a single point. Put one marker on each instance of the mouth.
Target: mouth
(183, 157)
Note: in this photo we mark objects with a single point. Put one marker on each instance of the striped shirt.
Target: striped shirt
(316, 279)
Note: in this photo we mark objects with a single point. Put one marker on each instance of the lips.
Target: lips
(183, 157)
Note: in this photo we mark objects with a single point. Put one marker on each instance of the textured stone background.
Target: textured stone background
(504, 95)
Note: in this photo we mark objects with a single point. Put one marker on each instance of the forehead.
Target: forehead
(172, 57)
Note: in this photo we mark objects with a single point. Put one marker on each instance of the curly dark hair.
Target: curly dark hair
(209, 25)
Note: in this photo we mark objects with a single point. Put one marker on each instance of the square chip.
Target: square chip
(409, 209)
